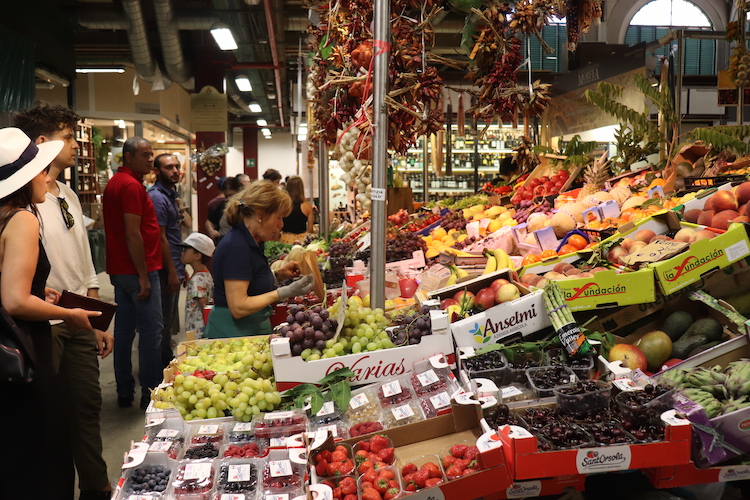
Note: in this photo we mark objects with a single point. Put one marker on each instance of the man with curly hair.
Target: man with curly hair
(72, 268)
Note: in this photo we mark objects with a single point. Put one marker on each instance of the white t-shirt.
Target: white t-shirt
(68, 250)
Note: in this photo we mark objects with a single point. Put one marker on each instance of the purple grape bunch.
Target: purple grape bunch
(308, 329)
(410, 328)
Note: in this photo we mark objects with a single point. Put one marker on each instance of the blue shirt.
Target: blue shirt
(239, 257)
(168, 216)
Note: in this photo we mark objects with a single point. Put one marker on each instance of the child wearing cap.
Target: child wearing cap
(197, 251)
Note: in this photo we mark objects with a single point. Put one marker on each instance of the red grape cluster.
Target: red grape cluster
(339, 256)
(528, 207)
(455, 221)
(410, 328)
(192, 487)
(401, 247)
(308, 329)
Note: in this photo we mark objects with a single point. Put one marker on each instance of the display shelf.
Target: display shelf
(87, 185)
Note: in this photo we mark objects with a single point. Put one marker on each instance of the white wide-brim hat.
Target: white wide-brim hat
(21, 160)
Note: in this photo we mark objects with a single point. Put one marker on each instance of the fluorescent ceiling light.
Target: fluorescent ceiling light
(223, 36)
(267, 136)
(261, 122)
(121, 123)
(243, 84)
(266, 131)
(255, 107)
(100, 70)
(51, 77)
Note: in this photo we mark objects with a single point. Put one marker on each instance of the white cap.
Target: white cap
(200, 242)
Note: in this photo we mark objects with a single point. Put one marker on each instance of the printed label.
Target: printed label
(524, 489)
(168, 433)
(402, 412)
(377, 194)
(625, 384)
(279, 414)
(277, 442)
(510, 391)
(358, 400)
(334, 430)
(278, 496)
(734, 473)
(737, 251)
(391, 388)
(197, 471)
(239, 472)
(243, 427)
(606, 458)
(327, 409)
(279, 468)
(141, 497)
(232, 496)
(160, 446)
(208, 429)
(427, 378)
(440, 400)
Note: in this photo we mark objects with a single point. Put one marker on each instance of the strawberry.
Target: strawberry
(391, 493)
(386, 474)
(371, 475)
(433, 469)
(321, 467)
(323, 455)
(471, 453)
(361, 456)
(458, 450)
(387, 455)
(463, 463)
(449, 460)
(348, 486)
(364, 445)
(433, 481)
(346, 467)
(380, 465)
(342, 449)
(365, 466)
(409, 468)
(381, 485)
(337, 492)
(421, 477)
(411, 486)
(339, 456)
(378, 442)
(453, 472)
(371, 494)
(350, 497)
(466, 472)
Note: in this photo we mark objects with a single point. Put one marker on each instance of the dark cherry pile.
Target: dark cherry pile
(607, 433)
(150, 478)
(228, 486)
(565, 435)
(550, 376)
(639, 407)
(308, 329)
(410, 328)
(557, 357)
(490, 365)
(206, 450)
(280, 427)
(499, 415)
(583, 397)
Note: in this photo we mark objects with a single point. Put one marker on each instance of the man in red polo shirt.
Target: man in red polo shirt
(133, 244)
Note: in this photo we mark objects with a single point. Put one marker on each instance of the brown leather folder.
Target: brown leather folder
(72, 300)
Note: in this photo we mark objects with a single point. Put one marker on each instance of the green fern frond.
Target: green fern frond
(609, 90)
(723, 137)
(621, 112)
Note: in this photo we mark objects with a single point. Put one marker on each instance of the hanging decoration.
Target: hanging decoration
(209, 159)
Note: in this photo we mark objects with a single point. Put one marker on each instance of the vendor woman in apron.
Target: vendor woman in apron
(244, 285)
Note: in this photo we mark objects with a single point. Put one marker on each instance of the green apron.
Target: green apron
(221, 324)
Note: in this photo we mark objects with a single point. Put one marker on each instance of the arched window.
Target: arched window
(654, 20)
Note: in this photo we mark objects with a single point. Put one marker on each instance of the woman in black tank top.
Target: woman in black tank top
(301, 221)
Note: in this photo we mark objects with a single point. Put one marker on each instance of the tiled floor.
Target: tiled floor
(121, 426)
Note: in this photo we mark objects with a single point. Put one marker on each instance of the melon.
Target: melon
(635, 201)
(575, 209)
(537, 221)
(620, 194)
(563, 223)
(602, 196)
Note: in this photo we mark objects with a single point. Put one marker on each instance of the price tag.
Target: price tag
(440, 400)
(232, 496)
(358, 400)
(243, 427)
(141, 497)
(391, 388)
(327, 409)
(279, 414)
(168, 433)
(377, 194)
(160, 446)
(239, 472)
(510, 391)
(278, 496)
(280, 468)
(654, 252)
(208, 429)
(334, 430)
(197, 471)
(277, 442)
(427, 378)
(402, 412)
(737, 251)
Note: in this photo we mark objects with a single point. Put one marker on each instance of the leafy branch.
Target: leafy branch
(335, 386)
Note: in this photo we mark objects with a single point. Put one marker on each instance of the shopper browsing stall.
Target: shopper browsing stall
(245, 286)
(301, 221)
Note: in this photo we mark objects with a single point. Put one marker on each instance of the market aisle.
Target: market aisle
(120, 426)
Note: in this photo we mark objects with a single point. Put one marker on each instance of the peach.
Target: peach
(709, 204)
(724, 200)
(703, 234)
(527, 278)
(684, 234)
(692, 215)
(743, 193)
(706, 217)
(662, 237)
(541, 283)
(572, 272)
(534, 279)
(626, 243)
(637, 246)
(560, 267)
(741, 218)
(567, 266)
(585, 275)
(644, 235)
(744, 209)
(722, 219)
(598, 269)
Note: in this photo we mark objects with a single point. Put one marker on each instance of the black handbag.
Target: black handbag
(16, 351)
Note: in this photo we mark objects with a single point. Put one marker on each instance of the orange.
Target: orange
(547, 254)
(566, 249)
(530, 259)
(577, 241)
(592, 244)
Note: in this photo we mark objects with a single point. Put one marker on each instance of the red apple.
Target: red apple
(506, 293)
(448, 302)
(485, 298)
(498, 283)
(465, 299)
(629, 356)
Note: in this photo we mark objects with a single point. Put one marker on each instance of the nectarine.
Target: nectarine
(722, 219)
(706, 217)
(724, 200)
(743, 193)
(692, 215)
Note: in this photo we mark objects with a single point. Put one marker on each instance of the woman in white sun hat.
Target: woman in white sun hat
(35, 411)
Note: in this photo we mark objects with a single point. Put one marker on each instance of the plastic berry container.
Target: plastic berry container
(581, 366)
(252, 448)
(372, 480)
(365, 427)
(435, 403)
(520, 362)
(201, 451)
(152, 479)
(237, 477)
(402, 414)
(544, 379)
(194, 480)
(239, 431)
(279, 424)
(395, 392)
(430, 377)
(207, 433)
(582, 397)
(169, 441)
(490, 365)
(644, 408)
(363, 406)
(431, 463)
(338, 429)
(327, 415)
(281, 475)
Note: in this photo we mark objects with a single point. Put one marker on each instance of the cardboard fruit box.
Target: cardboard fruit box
(688, 474)
(526, 462)
(520, 317)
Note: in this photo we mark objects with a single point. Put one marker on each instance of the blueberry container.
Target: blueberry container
(237, 477)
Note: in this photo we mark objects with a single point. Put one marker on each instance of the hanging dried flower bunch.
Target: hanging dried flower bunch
(209, 159)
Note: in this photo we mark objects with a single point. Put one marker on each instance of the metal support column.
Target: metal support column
(425, 172)
(382, 48)
(325, 210)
